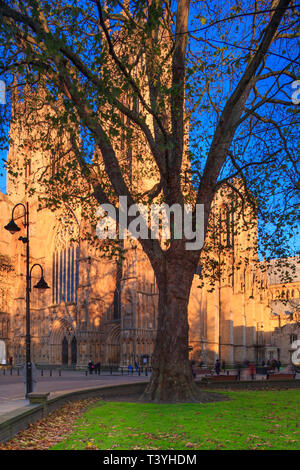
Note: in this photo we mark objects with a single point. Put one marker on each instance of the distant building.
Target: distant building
(285, 307)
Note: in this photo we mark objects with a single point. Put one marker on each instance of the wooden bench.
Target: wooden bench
(281, 376)
(199, 371)
(226, 378)
(222, 378)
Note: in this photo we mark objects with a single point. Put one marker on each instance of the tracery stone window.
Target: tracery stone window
(27, 168)
(65, 261)
(65, 274)
(224, 227)
(229, 220)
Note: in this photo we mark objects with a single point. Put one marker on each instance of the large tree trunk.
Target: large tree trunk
(172, 379)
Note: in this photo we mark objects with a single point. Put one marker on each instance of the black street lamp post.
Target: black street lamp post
(13, 228)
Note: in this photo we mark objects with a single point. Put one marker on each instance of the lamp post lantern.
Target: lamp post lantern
(13, 228)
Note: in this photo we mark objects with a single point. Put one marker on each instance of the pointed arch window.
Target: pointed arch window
(65, 275)
(229, 228)
(27, 168)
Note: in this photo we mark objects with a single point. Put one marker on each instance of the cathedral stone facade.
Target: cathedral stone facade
(105, 309)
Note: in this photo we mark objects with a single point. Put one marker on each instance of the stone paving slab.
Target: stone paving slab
(10, 405)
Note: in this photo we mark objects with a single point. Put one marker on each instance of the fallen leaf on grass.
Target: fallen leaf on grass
(48, 431)
(190, 445)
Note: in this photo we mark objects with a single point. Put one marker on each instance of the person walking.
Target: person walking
(90, 366)
(192, 363)
(217, 367)
(252, 371)
(223, 366)
(238, 369)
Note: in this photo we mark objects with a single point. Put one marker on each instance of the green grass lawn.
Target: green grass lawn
(249, 420)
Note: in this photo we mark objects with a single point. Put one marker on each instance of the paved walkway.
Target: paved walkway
(12, 389)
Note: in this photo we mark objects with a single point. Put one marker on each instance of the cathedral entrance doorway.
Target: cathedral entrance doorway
(65, 356)
(112, 346)
(74, 351)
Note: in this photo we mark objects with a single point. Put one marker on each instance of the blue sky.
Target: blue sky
(3, 173)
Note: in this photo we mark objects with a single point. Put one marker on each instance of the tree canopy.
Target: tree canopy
(188, 96)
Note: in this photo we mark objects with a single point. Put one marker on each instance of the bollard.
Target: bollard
(59, 373)
(50, 372)
(122, 370)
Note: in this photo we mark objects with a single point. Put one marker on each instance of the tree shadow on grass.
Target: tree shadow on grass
(204, 397)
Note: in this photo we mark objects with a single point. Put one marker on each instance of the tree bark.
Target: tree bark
(172, 379)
